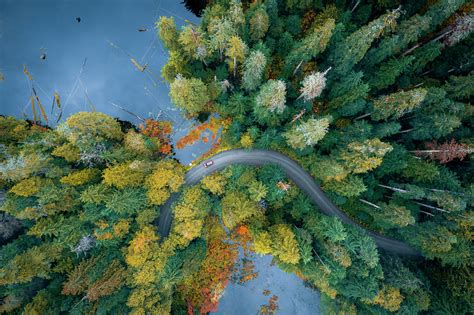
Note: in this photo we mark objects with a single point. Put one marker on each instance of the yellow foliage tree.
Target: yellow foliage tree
(389, 298)
(84, 127)
(167, 177)
(189, 214)
(68, 151)
(127, 174)
(215, 183)
(246, 141)
(285, 246)
(27, 187)
(80, 177)
(262, 243)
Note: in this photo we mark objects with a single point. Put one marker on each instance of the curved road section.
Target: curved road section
(293, 171)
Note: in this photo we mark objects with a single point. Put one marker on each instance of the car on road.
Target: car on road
(208, 163)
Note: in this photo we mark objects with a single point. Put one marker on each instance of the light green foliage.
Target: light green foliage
(272, 96)
(254, 67)
(220, 31)
(193, 42)
(362, 157)
(259, 24)
(392, 215)
(85, 128)
(167, 32)
(398, 104)
(189, 94)
(235, 51)
(350, 186)
(215, 183)
(190, 213)
(35, 262)
(257, 190)
(307, 133)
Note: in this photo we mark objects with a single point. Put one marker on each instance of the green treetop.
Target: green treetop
(254, 67)
(189, 94)
(354, 47)
(307, 133)
(398, 104)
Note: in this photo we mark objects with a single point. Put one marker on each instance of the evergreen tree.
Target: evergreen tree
(271, 98)
(307, 133)
(254, 66)
(354, 47)
(398, 104)
(189, 94)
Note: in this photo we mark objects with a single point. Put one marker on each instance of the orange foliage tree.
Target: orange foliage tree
(204, 288)
(213, 125)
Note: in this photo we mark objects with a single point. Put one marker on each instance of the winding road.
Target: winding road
(293, 171)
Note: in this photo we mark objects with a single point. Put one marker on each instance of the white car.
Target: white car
(208, 163)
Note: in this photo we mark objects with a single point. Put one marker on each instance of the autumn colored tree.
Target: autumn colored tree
(446, 152)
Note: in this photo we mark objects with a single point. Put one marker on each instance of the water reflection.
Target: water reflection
(92, 52)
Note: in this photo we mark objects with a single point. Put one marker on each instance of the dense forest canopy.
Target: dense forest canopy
(372, 98)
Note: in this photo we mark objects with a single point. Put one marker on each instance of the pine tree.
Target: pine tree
(272, 96)
(389, 72)
(254, 67)
(445, 152)
(361, 157)
(354, 47)
(235, 51)
(220, 31)
(236, 208)
(193, 42)
(259, 24)
(285, 247)
(461, 87)
(398, 104)
(310, 46)
(167, 32)
(313, 85)
(307, 133)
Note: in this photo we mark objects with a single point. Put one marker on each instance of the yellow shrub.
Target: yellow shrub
(27, 187)
(67, 151)
(81, 177)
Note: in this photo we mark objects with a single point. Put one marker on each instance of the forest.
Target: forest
(372, 98)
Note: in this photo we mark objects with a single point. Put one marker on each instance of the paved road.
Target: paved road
(297, 174)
